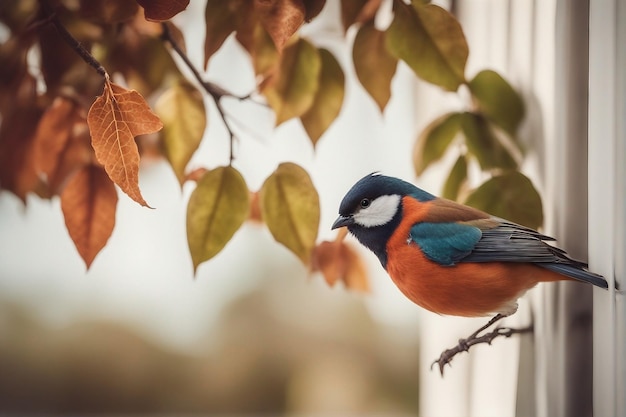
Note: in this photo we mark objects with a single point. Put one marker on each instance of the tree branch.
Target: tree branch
(51, 17)
(215, 91)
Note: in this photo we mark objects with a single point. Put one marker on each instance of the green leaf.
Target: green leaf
(328, 99)
(435, 140)
(456, 179)
(374, 65)
(182, 112)
(293, 90)
(220, 22)
(510, 196)
(430, 40)
(291, 209)
(217, 208)
(497, 100)
(482, 142)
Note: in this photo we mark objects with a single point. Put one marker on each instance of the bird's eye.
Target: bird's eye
(365, 203)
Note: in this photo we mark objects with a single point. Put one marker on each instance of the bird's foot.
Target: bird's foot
(465, 344)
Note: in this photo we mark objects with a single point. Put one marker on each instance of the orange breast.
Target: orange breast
(465, 289)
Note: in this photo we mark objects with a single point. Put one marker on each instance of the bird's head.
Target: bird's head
(372, 210)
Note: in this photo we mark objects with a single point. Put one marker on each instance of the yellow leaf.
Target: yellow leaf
(328, 100)
(88, 203)
(290, 207)
(374, 65)
(114, 119)
(430, 40)
(292, 90)
(184, 117)
(217, 208)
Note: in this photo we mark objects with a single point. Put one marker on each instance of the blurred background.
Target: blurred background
(254, 331)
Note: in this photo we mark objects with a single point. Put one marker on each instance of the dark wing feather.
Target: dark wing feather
(510, 242)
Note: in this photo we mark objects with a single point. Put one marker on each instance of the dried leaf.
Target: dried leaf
(358, 11)
(374, 65)
(114, 119)
(482, 142)
(61, 142)
(291, 209)
(182, 111)
(510, 196)
(220, 20)
(456, 180)
(430, 40)
(434, 141)
(160, 10)
(88, 203)
(497, 100)
(292, 91)
(217, 208)
(280, 18)
(337, 261)
(312, 8)
(328, 99)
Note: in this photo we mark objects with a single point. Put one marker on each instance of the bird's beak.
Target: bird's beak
(342, 221)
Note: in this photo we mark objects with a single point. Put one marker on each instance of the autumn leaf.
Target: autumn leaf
(358, 11)
(312, 8)
(434, 141)
(182, 111)
(291, 209)
(374, 65)
(88, 203)
(511, 196)
(497, 100)
(61, 142)
(483, 143)
(430, 40)
(280, 18)
(114, 119)
(160, 10)
(216, 210)
(328, 99)
(337, 261)
(292, 91)
(456, 179)
(220, 21)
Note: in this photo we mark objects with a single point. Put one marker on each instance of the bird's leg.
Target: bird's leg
(474, 339)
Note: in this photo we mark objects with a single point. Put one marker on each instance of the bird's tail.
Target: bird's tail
(578, 273)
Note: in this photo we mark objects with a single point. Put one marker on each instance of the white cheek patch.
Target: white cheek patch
(380, 211)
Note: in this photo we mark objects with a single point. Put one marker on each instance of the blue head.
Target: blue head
(372, 210)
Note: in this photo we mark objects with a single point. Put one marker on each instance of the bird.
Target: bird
(452, 259)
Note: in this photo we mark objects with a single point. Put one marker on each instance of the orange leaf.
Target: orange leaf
(281, 18)
(338, 261)
(88, 204)
(61, 143)
(114, 119)
(159, 10)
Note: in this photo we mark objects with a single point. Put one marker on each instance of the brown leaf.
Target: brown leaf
(374, 65)
(338, 261)
(114, 119)
(358, 11)
(160, 10)
(220, 21)
(61, 142)
(255, 214)
(88, 204)
(281, 18)
(313, 8)
(108, 11)
(196, 174)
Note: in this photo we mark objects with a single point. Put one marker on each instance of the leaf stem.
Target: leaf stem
(51, 16)
(215, 91)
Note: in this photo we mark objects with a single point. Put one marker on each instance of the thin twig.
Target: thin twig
(215, 91)
(51, 16)
(465, 344)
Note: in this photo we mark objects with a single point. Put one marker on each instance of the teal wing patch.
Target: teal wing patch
(445, 243)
